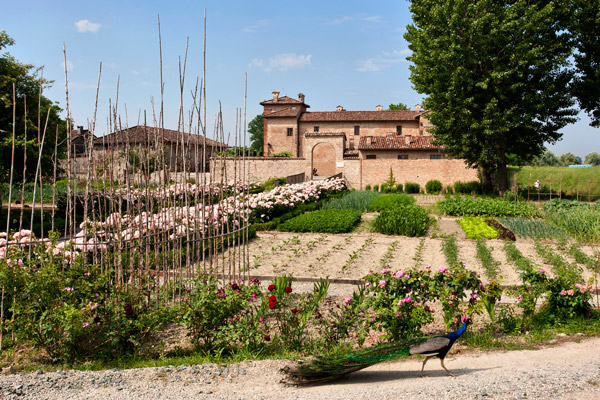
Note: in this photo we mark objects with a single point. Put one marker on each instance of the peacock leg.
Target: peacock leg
(424, 362)
(443, 366)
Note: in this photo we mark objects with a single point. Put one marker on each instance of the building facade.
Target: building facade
(363, 145)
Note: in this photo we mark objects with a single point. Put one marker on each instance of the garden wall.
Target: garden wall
(447, 171)
(258, 168)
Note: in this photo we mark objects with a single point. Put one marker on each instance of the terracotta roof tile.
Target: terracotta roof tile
(143, 134)
(284, 100)
(404, 115)
(286, 112)
(396, 143)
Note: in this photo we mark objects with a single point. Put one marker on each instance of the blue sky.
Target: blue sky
(348, 53)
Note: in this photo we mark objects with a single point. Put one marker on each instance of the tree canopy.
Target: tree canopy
(593, 158)
(255, 128)
(32, 110)
(398, 107)
(586, 30)
(495, 75)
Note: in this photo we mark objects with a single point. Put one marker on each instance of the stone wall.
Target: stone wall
(259, 168)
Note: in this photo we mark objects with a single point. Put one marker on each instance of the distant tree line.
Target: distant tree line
(549, 159)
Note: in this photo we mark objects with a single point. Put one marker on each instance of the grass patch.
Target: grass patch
(569, 180)
(580, 220)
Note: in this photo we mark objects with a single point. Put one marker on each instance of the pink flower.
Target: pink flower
(542, 271)
(382, 284)
(399, 274)
(474, 295)
(347, 300)
(563, 292)
(86, 324)
(464, 319)
(442, 270)
(383, 271)
(407, 299)
(519, 299)
(367, 284)
(570, 292)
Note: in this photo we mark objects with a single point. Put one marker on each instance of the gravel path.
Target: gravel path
(567, 371)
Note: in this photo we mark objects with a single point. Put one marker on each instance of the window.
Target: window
(293, 107)
(316, 129)
(435, 157)
(402, 156)
(357, 130)
(399, 130)
(290, 131)
(371, 157)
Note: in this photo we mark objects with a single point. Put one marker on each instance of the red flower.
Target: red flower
(271, 287)
(288, 289)
(267, 337)
(294, 310)
(272, 305)
(272, 298)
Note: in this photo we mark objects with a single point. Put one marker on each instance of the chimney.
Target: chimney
(418, 107)
(379, 108)
(339, 108)
(301, 97)
(275, 94)
(80, 128)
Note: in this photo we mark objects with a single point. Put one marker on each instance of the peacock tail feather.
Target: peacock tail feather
(325, 368)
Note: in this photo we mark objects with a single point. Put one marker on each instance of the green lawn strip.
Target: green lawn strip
(450, 250)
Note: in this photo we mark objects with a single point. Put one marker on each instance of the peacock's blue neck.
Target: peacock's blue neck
(456, 334)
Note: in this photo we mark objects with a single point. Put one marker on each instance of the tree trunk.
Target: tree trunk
(486, 179)
(502, 178)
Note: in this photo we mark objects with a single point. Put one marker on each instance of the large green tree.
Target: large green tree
(586, 30)
(593, 158)
(28, 82)
(255, 128)
(398, 107)
(495, 76)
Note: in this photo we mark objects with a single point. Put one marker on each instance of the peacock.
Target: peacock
(326, 368)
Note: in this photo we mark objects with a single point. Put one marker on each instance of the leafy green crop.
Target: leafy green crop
(581, 220)
(486, 207)
(535, 229)
(386, 202)
(475, 228)
(328, 221)
(408, 220)
(356, 200)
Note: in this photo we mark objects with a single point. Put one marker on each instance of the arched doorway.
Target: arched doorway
(323, 160)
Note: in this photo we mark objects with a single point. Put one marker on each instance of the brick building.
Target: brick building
(363, 145)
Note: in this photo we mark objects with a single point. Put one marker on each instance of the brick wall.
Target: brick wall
(447, 171)
(373, 128)
(276, 135)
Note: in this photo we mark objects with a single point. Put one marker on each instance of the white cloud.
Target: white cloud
(383, 60)
(359, 18)
(85, 25)
(283, 62)
(70, 65)
(259, 26)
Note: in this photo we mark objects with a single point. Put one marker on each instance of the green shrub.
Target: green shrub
(381, 203)
(433, 187)
(376, 188)
(399, 188)
(393, 189)
(411, 187)
(281, 154)
(407, 220)
(475, 227)
(368, 187)
(472, 187)
(385, 188)
(357, 200)
(270, 183)
(327, 221)
(448, 190)
(486, 207)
